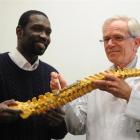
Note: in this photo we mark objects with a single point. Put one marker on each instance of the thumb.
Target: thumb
(62, 81)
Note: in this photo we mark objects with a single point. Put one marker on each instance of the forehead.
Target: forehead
(39, 19)
(118, 27)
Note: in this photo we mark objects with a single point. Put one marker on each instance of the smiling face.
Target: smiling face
(34, 38)
(120, 46)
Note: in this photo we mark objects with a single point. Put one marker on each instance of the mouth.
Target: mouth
(40, 45)
(113, 51)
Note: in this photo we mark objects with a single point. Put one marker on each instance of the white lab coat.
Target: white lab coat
(104, 117)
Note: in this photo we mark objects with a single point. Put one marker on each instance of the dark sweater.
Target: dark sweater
(22, 85)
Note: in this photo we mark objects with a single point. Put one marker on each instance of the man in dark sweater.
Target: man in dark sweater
(23, 76)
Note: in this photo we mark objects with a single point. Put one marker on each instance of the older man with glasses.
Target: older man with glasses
(112, 111)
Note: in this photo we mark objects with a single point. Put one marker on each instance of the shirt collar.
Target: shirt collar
(21, 61)
(130, 65)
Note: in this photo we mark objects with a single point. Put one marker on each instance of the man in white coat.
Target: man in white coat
(112, 111)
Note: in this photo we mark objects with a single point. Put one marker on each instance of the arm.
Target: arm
(56, 123)
(75, 112)
(133, 107)
(115, 86)
(7, 114)
(128, 90)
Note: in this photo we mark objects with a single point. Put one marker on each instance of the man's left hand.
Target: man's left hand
(55, 117)
(114, 85)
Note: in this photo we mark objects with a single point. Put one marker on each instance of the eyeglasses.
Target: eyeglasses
(115, 38)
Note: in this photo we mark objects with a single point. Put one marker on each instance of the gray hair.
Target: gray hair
(133, 24)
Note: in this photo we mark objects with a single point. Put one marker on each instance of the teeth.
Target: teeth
(51, 100)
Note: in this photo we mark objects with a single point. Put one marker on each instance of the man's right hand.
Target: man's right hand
(57, 81)
(6, 113)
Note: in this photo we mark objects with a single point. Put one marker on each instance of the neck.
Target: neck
(130, 64)
(30, 58)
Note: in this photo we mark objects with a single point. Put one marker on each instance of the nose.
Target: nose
(44, 35)
(110, 42)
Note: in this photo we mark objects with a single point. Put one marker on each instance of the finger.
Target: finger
(54, 85)
(52, 122)
(102, 84)
(9, 110)
(59, 110)
(10, 102)
(54, 81)
(55, 115)
(5, 116)
(13, 111)
(99, 83)
(62, 81)
(52, 118)
(54, 75)
(110, 77)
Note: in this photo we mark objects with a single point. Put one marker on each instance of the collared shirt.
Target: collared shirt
(130, 65)
(21, 61)
(104, 117)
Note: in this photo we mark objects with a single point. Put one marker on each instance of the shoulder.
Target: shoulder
(138, 62)
(47, 66)
(3, 57)
(3, 54)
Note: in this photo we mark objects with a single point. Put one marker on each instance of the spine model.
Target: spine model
(49, 100)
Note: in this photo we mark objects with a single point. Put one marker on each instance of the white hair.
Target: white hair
(133, 24)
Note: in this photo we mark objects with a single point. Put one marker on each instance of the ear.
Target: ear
(137, 42)
(19, 32)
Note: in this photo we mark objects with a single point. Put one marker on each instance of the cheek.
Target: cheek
(107, 52)
(105, 49)
(128, 52)
(31, 39)
(129, 49)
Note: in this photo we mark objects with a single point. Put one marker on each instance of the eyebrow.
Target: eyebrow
(41, 26)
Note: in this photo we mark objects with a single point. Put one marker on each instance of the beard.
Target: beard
(36, 46)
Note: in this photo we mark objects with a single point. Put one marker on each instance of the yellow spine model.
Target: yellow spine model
(51, 100)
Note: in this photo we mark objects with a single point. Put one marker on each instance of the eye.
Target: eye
(106, 39)
(48, 31)
(118, 38)
(37, 28)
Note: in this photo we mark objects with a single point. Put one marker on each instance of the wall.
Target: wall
(76, 24)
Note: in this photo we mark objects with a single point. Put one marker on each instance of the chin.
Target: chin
(40, 53)
(113, 60)
(113, 57)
